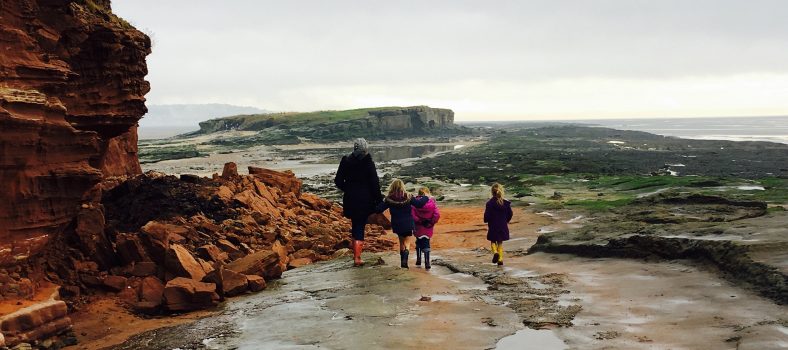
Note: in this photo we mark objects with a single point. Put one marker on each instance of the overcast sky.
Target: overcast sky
(484, 59)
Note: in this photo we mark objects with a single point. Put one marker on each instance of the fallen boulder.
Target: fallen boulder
(230, 170)
(115, 283)
(130, 248)
(181, 263)
(256, 283)
(285, 181)
(211, 252)
(264, 263)
(151, 289)
(183, 294)
(299, 262)
(228, 282)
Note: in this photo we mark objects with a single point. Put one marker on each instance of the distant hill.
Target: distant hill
(375, 123)
(172, 119)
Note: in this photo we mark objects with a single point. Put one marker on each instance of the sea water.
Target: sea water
(771, 129)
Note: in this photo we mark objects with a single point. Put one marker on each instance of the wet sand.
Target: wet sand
(620, 303)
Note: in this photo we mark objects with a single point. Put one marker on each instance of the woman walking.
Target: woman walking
(358, 178)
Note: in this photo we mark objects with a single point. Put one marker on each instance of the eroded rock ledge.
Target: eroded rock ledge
(738, 238)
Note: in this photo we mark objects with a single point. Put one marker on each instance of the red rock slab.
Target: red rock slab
(151, 290)
(33, 316)
(115, 283)
(285, 181)
(44, 331)
(264, 263)
(299, 262)
(251, 200)
(181, 263)
(229, 282)
(230, 170)
(211, 252)
(256, 283)
(184, 294)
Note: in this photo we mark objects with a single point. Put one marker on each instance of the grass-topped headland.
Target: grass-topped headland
(372, 123)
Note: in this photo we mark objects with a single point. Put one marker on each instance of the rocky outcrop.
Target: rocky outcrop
(374, 123)
(233, 232)
(680, 226)
(42, 320)
(412, 118)
(71, 92)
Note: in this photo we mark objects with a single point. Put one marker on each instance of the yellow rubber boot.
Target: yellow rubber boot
(494, 249)
(500, 253)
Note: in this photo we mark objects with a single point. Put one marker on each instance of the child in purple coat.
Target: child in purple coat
(497, 215)
(425, 214)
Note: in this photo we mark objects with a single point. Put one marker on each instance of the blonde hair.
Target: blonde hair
(397, 186)
(497, 192)
(424, 191)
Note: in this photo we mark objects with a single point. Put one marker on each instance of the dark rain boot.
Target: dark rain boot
(427, 264)
(403, 256)
(418, 256)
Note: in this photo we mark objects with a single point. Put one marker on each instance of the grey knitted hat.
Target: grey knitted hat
(360, 147)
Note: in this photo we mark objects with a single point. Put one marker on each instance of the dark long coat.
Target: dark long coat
(358, 178)
(497, 218)
(400, 209)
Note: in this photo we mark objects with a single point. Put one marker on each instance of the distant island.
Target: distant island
(372, 123)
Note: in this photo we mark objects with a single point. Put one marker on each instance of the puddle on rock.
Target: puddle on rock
(531, 339)
(520, 273)
(465, 281)
(546, 229)
(713, 238)
(445, 297)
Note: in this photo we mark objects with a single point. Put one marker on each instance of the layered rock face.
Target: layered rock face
(71, 92)
(412, 118)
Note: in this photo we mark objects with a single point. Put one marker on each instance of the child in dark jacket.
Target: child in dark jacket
(497, 215)
(399, 202)
(425, 215)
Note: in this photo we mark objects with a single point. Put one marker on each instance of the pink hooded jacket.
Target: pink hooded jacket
(428, 214)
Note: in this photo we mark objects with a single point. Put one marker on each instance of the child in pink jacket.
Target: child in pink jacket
(425, 215)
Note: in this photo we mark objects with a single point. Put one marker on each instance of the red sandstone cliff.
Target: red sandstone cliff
(71, 92)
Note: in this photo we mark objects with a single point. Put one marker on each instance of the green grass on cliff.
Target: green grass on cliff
(249, 122)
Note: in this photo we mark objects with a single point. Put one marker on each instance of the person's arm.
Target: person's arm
(487, 213)
(340, 178)
(382, 206)
(419, 201)
(374, 182)
(436, 215)
(510, 214)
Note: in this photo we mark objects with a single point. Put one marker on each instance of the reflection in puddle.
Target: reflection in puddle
(713, 238)
(445, 297)
(531, 339)
(390, 153)
(465, 281)
(521, 273)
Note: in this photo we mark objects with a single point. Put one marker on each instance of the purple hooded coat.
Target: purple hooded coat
(428, 212)
(497, 218)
